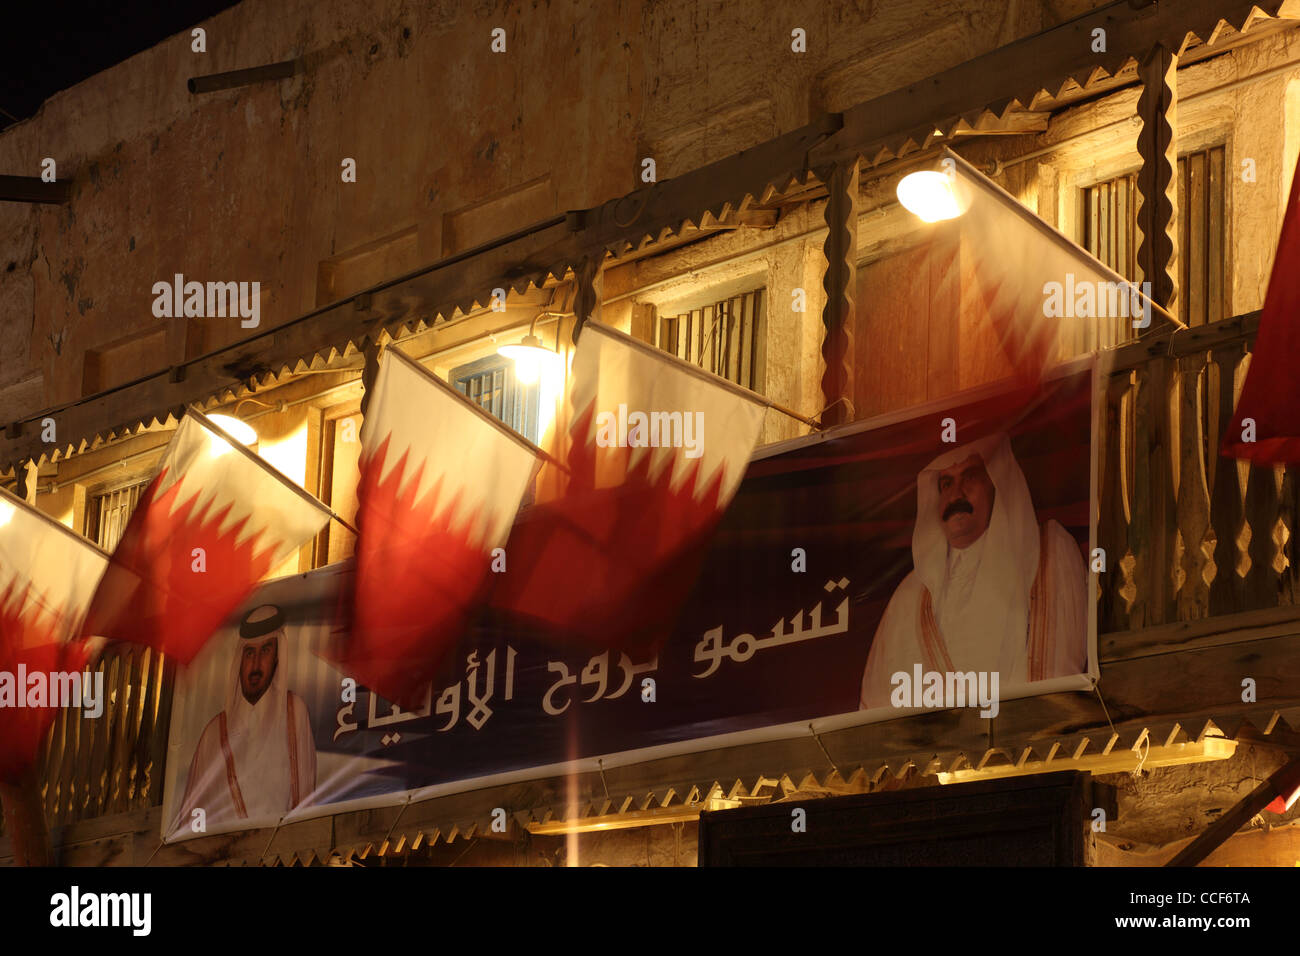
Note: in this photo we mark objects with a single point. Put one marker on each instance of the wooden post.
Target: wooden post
(1157, 179)
(584, 299)
(840, 283)
(1157, 258)
(369, 372)
(1281, 784)
(25, 821)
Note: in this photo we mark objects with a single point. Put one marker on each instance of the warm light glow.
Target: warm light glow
(531, 358)
(929, 195)
(6, 513)
(287, 454)
(241, 432)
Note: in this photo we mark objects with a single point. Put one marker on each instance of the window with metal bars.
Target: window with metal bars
(108, 512)
(491, 383)
(727, 338)
(1110, 223)
(1110, 231)
(1202, 260)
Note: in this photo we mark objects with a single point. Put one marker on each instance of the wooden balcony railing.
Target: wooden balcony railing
(1188, 534)
(113, 763)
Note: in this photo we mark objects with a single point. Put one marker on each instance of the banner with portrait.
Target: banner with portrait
(936, 557)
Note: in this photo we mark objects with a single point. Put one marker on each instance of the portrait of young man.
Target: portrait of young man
(256, 758)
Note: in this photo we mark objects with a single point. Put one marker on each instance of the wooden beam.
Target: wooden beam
(1015, 123)
(1280, 784)
(33, 189)
(840, 282)
(1211, 631)
(905, 120)
(234, 78)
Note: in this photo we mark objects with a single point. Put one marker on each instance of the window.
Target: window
(491, 384)
(726, 338)
(1110, 231)
(340, 472)
(1110, 223)
(1202, 201)
(109, 511)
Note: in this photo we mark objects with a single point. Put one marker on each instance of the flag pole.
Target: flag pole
(203, 421)
(695, 370)
(1054, 234)
(348, 525)
(483, 413)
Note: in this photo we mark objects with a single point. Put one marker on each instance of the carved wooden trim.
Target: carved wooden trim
(1157, 180)
(840, 283)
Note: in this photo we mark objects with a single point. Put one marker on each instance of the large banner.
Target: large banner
(930, 559)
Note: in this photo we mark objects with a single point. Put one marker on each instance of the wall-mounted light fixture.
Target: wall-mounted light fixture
(531, 358)
(929, 195)
(240, 431)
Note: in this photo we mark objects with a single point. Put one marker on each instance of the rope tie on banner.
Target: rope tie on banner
(601, 764)
(154, 853)
(817, 424)
(1146, 752)
(829, 759)
(393, 826)
(1097, 690)
(274, 831)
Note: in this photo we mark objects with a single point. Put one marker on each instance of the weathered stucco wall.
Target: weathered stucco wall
(245, 184)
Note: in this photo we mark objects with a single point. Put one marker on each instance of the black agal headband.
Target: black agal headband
(261, 621)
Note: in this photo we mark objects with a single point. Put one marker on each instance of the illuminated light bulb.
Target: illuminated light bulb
(530, 358)
(241, 432)
(7, 512)
(929, 196)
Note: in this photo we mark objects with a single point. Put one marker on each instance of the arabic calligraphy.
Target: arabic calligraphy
(448, 703)
(712, 648)
(596, 674)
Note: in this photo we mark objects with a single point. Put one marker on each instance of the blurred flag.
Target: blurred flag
(1270, 396)
(47, 576)
(441, 481)
(213, 523)
(1027, 295)
(655, 451)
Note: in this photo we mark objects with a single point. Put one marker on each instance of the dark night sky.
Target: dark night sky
(49, 46)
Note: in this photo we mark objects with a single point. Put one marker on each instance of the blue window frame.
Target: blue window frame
(491, 383)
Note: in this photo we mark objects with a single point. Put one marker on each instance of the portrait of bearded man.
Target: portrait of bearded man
(991, 589)
(256, 758)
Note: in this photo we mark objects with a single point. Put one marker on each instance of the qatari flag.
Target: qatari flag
(47, 575)
(1270, 396)
(1025, 294)
(441, 481)
(655, 451)
(214, 521)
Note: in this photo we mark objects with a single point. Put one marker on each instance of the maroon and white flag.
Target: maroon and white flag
(654, 454)
(1026, 295)
(441, 481)
(214, 521)
(1265, 426)
(47, 575)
